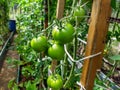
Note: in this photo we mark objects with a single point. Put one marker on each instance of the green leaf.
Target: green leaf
(30, 86)
(115, 57)
(113, 4)
(15, 87)
(11, 82)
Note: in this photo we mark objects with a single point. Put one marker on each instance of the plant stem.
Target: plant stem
(73, 66)
(48, 11)
(73, 4)
(114, 25)
(66, 65)
(116, 16)
(70, 76)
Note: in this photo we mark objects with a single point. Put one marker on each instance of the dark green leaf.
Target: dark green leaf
(113, 4)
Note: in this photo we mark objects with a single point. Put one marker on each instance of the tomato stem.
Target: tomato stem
(73, 66)
(59, 24)
(66, 64)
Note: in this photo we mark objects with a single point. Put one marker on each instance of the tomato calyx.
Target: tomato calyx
(58, 24)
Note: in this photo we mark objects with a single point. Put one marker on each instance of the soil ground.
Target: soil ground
(8, 73)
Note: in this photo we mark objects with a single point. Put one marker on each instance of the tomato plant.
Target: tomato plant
(56, 51)
(36, 65)
(65, 35)
(55, 81)
(39, 44)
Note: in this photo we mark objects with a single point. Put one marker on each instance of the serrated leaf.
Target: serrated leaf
(30, 86)
(115, 57)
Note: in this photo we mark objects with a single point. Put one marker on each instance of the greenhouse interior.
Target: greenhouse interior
(59, 44)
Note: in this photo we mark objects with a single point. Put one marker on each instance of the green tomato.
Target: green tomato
(65, 35)
(55, 81)
(39, 44)
(56, 51)
(79, 13)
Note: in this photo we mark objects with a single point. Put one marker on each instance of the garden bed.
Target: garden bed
(5, 48)
(7, 72)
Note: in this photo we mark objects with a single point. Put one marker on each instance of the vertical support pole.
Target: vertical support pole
(59, 15)
(46, 14)
(101, 11)
(60, 9)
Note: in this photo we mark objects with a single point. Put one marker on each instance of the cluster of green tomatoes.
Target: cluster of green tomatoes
(61, 36)
(55, 47)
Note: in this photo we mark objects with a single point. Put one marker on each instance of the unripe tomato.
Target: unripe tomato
(39, 44)
(79, 13)
(55, 81)
(56, 51)
(65, 35)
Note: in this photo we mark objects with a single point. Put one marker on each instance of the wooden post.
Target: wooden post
(59, 15)
(98, 28)
(60, 9)
(46, 13)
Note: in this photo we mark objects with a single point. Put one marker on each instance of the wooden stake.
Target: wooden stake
(60, 9)
(98, 28)
(53, 65)
(59, 15)
(46, 14)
